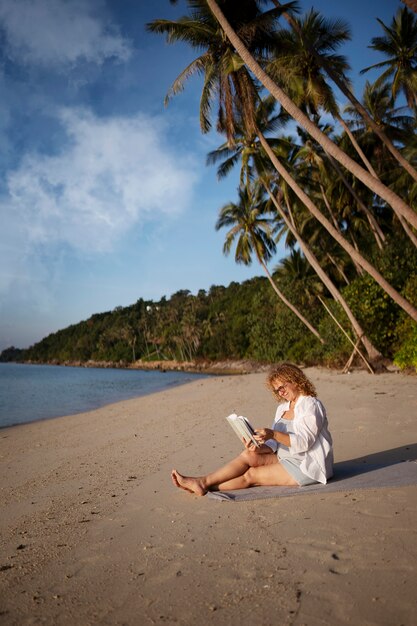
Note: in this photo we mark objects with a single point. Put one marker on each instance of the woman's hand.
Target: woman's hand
(263, 434)
(250, 446)
(261, 449)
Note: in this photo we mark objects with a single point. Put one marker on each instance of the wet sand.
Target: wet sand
(94, 532)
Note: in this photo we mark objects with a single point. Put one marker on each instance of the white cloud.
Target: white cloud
(56, 32)
(112, 175)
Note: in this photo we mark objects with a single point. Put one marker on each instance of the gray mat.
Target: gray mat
(347, 477)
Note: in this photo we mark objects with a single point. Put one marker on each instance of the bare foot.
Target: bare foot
(176, 483)
(193, 485)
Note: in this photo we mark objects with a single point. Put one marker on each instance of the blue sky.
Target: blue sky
(104, 193)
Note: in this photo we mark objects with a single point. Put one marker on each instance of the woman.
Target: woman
(296, 451)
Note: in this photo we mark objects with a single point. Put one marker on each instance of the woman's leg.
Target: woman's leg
(237, 474)
(271, 475)
(200, 485)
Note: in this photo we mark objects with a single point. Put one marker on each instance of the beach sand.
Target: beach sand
(94, 532)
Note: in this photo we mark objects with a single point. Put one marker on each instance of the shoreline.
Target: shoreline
(93, 530)
(114, 389)
(214, 368)
(225, 367)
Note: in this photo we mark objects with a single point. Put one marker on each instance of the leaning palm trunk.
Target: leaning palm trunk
(374, 226)
(364, 176)
(358, 106)
(338, 268)
(355, 144)
(288, 303)
(358, 268)
(372, 352)
(354, 254)
(376, 230)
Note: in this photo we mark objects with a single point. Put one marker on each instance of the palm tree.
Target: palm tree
(246, 149)
(396, 125)
(312, 157)
(399, 44)
(298, 71)
(226, 79)
(250, 151)
(252, 155)
(252, 230)
(373, 353)
(295, 268)
(301, 72)
(221, 54)
(353, 253)
(343, 85)
(332, 149)
(364, 176)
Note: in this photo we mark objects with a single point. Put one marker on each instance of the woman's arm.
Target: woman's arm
(263, 434)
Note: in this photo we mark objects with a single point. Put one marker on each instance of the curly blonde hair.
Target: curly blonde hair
(289, 373)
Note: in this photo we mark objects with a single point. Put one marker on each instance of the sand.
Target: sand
(93, 531)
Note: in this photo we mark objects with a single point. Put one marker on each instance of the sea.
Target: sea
(36, 392)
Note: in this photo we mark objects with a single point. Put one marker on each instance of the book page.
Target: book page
(242, 428)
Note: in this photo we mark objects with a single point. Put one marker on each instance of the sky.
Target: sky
(105, 196)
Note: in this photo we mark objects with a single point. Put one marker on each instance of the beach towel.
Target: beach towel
(347, 477)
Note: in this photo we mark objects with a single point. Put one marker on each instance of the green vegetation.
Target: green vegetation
(339, 187)
(241, 321)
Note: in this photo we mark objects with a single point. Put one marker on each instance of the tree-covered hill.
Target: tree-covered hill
(242, 321)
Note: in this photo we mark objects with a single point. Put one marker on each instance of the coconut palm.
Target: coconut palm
(396, 124)
(372, 352)
(301, 72)
(224, 61)
(399, 44)
(226, 80)
(295, 269)
(343, 85)
(298, 71)
(364, 176)
(316, 161)
(254, 160)
(332, 149)
(251, 34)
(246, 148)
(252, 232)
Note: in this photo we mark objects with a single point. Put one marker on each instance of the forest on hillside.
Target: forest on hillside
(243, 321)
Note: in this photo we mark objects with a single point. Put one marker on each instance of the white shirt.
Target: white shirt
(311, 440)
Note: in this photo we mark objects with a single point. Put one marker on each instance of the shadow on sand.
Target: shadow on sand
(371, 462)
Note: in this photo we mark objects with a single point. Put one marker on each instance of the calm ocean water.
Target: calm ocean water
(35, 392)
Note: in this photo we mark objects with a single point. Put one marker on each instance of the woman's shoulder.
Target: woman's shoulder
(309, 403)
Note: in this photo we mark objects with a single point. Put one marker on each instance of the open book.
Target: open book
(242, 428)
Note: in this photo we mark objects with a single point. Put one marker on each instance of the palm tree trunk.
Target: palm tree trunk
(329, 208)
(364, 176)
(376, 230)
(354, 254)
(355, 144)
(358, 268)
(408, 230)
(371, 219)
(288, 303)
(358, 106)
(338, 267)
(373, 353)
